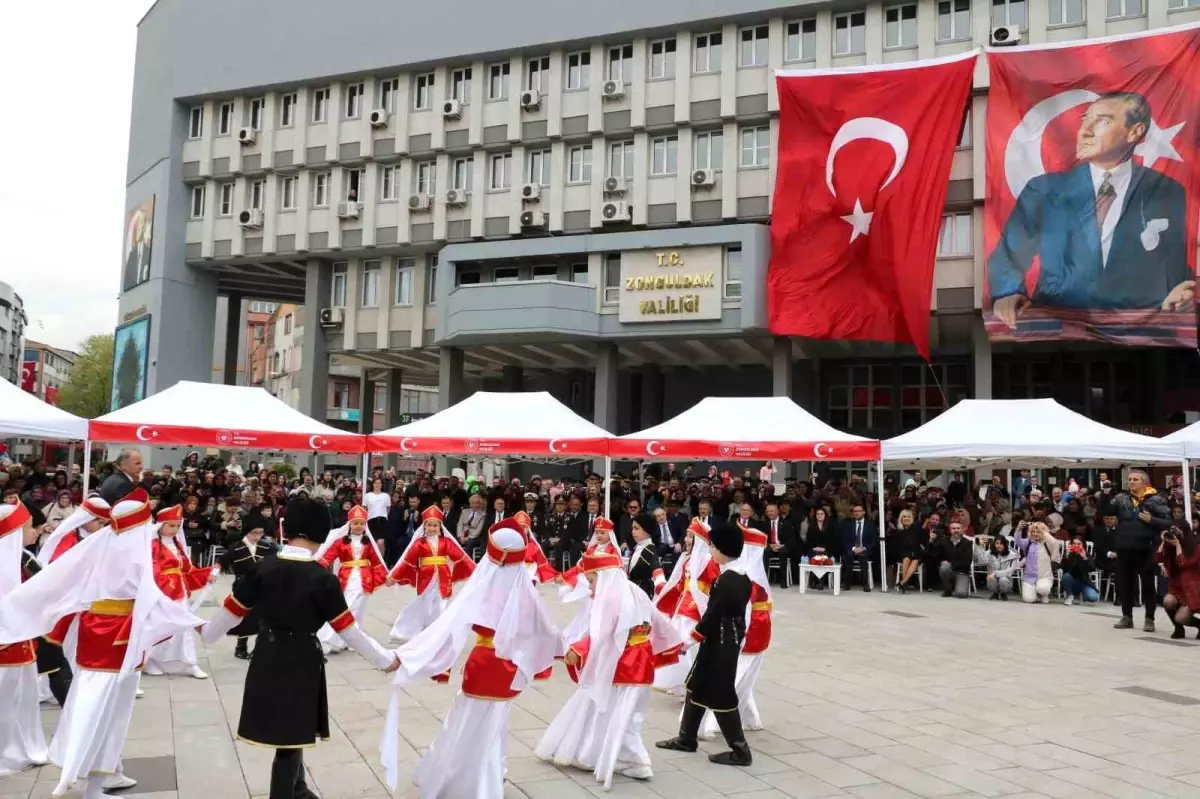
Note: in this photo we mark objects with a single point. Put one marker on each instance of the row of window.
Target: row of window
(369, 283)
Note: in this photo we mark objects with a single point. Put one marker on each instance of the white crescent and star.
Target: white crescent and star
(855, 129)
(316, 442)
(406, 444)
(654, 448)
(822, 450)
(556, 445)
(144, 433)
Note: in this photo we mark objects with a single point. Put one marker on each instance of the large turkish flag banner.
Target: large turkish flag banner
(1093, 190)
(864, 164)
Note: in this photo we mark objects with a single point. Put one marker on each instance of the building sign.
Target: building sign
(343, 414)
(671, 285)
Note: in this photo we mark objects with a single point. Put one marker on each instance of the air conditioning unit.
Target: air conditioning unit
(452, 109)
(247, 135)
(531, 192)
(348, 210)
(1006, 36)
(614, 213)
(615, 185)
(379, 118)
(332, 317)
(533, 219)
(418, 202)
(456, 197)
(612, 89)
(531, 100)
(704, 178)
(251, 218)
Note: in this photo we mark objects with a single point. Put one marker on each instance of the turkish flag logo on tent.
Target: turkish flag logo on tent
(864, 165)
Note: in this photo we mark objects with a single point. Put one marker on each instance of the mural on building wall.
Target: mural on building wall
(139, 230)
(131, 354)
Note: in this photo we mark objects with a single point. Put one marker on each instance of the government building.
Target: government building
(570, 196)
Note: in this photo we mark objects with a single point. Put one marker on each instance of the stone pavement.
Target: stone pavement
(866, 695)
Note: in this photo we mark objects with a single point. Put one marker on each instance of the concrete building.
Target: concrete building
(52, 368)
(466, 194)
(12, 334)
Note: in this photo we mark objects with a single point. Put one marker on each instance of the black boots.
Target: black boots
(240, 650)
(739, 755)
(689, 726)
(731, 727)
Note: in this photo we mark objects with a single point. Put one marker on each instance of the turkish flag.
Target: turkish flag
(52, 395)
(864, 164)
(29, 375)
(1093, 190)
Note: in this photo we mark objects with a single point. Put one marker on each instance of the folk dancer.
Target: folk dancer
(600, 727)
(359, 565)
(91, 516)
(684, 598)
(500, 617)
(644, 569)
(109, 580)
(571, 586)
(711, 684)
(177, 578)
(241, 559)
(284, 703)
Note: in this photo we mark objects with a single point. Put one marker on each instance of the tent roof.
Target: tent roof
(23, 414)
(1026, 433)
(1188, 438)
(214, 415)
(528, 423)
(748, 428)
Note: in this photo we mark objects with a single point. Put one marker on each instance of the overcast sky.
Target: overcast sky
(69, 68)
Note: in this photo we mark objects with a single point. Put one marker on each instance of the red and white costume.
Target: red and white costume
(109, 580)
(432, 563)
(600, 727)
(22, 742)
(540, 570)
(758, 632)
(68, 534)
(684, 598)
(576, 587)
(355, 558)
(500, 617)
(177, 578)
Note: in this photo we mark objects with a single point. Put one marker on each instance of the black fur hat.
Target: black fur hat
(727, 539)
(305, 518)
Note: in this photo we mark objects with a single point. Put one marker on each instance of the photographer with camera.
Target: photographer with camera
(1181, 561)
(1076, 578)
(1142, 516)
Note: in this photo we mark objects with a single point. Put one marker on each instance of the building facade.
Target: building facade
(51, 369)
(570, 197)
(12, 334)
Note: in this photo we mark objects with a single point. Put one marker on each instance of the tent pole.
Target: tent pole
(882, 525)
(87, 466)
(70, 457)
(1187, 493)
(366, 468)
(607, 509)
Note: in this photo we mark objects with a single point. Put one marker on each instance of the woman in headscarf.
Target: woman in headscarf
(57, 511)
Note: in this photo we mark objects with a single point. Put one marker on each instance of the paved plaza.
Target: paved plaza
(866, 695)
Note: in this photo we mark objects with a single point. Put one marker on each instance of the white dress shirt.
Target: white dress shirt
(1119, 177)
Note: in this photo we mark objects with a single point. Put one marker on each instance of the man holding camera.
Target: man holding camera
(1142, 516)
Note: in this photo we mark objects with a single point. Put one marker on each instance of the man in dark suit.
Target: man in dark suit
(668, 533)
(498, 512)
(783, 542)
(860, 544)
(625, 523)
(1108, 233)
(118, 484)
(584, 521)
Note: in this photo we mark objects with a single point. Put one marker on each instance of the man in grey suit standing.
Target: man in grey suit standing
(118, 484)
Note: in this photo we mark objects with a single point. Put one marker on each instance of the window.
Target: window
(955, 238)
(756, 147)
(370, 284)
(462, 172)
(460, 85)
(387, 183)
(287, 110)
(612, 278)
(1008, 12)
(352, 184)
(258, 194)
(579, 164)
(466, 279)
(707, 55)
(287, 194)
(800, 41)
(1183, 4)
(579, 68)
(224, 119)
(197, 202)
(620, 63)
(964, 135)
(1125, 8)
(404, 281)
(498, 81)
(1069, 12)
(498, 171)
(620, 159)
(321, 190)
(431, 280)
(257, 105)
(287, 324)
(850, 33)
(226, 199)
(379, 398)
(354, 94)
(537, 74)
(709, 150)
(423, 96)
(733, 273)
(341, 395)
(752, 46)
(545, 272)
(425, 177)
(506, 274)
(900, 26)
(388, 89)
(664, 155)
(337, 286)
(579, 273)
(537, 167)
(954, 20)
(662, 59)
(320, 105)
(196, 122)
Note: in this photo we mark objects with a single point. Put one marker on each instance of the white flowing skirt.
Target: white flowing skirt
(466, 760)
(176, 655)
(22, 742)
(419, 614)
(671, 678)
(91, 731)
(747, 677)
(356, 600)
(582, 737)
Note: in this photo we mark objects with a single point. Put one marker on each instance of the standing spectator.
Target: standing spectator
(1001, 562)
(955, 555)
(378, 503)
(860, 542)
(118, 485)
(60, 509)
(325, 490)
(1076, 579)
(1142, 515)
(1040, 552)
(766, 473)
(196, 529)
(1179, 556)
(229, 521)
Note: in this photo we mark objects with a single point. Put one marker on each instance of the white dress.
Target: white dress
(356, 600)
(582, 737)
(22, 742)
(476, 726)
(176, 655)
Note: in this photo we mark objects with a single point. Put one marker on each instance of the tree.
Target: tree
(89, 391)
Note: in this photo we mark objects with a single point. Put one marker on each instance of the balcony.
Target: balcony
(533, 308)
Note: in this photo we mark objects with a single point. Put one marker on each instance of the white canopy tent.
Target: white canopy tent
(1188, 438)
(24, 415)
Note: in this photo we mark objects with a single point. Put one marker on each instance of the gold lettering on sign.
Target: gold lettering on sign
(134, 314)
(685, 304)
(669, 259)
(706, 280)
